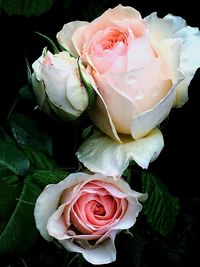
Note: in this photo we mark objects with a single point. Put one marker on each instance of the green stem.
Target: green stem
(12, 108)
(73, 259)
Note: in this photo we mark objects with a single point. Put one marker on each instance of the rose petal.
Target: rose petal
(100, 153)
(104, 253)
(189, 63)
(76, 93)
(139, 52)
(169, 50)
(64, 36)
(163, 28)
(100, 116)
(175, 27)
(144, 122)
(55, 225)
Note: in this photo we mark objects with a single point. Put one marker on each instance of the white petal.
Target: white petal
(172, 27)
(104, 253)
(169, 50)
(76, 93)
(100, 153)
(143, 123)
(189, 63)
(45, 206)
(56, 226)
(64, 36)
(163, 28)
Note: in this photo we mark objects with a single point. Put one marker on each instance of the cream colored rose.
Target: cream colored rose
(142, 68)
(57, 85)
(85, 212)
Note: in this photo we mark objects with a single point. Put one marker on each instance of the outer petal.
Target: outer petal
(175, 27)
(40, 94)
(104, 253)
(64, 36)
(163, 28)
(47, 202)
(75, 92)
(100, 115)
(189, 63)
(99, 153)
(144, 122)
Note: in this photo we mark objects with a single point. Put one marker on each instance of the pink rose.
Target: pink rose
(85, 212)
(142, 68)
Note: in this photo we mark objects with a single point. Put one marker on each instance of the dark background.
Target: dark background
(177, 166)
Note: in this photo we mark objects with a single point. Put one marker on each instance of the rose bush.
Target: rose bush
(142, 68)
(57, 85)
(84, 212)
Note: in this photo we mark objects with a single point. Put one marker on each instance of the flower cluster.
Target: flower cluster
(127, 73)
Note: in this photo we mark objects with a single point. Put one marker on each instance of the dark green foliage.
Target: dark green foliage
(161, 208)
(25, 7)
(13, 158)
(26, 131)
(19, 233)
(43, 178)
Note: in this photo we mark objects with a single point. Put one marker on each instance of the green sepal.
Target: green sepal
(57, 112)
(51, 42)
(89, 88)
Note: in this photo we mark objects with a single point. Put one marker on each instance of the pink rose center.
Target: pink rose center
(110, 40)
(113, 39)
(94, 209)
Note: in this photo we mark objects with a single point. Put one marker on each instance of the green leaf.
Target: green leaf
(26, 132)
(43, 178)
(25, 7)
(38, 159)
(13, 158)
(128, 172)
(5, 172)
(9, 190)
(26, 93)
(161, 208)
(20, 232)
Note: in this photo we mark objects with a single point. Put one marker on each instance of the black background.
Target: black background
(178, 164)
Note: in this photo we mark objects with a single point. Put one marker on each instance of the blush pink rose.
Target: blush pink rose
(142, 67)
(85, 212)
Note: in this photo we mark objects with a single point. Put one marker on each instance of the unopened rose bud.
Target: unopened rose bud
(57, 85)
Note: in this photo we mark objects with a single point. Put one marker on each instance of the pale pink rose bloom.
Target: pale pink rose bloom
(142, 68)
(85, 212)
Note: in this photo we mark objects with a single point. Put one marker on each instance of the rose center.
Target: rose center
(112, 40)
(97, 208)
